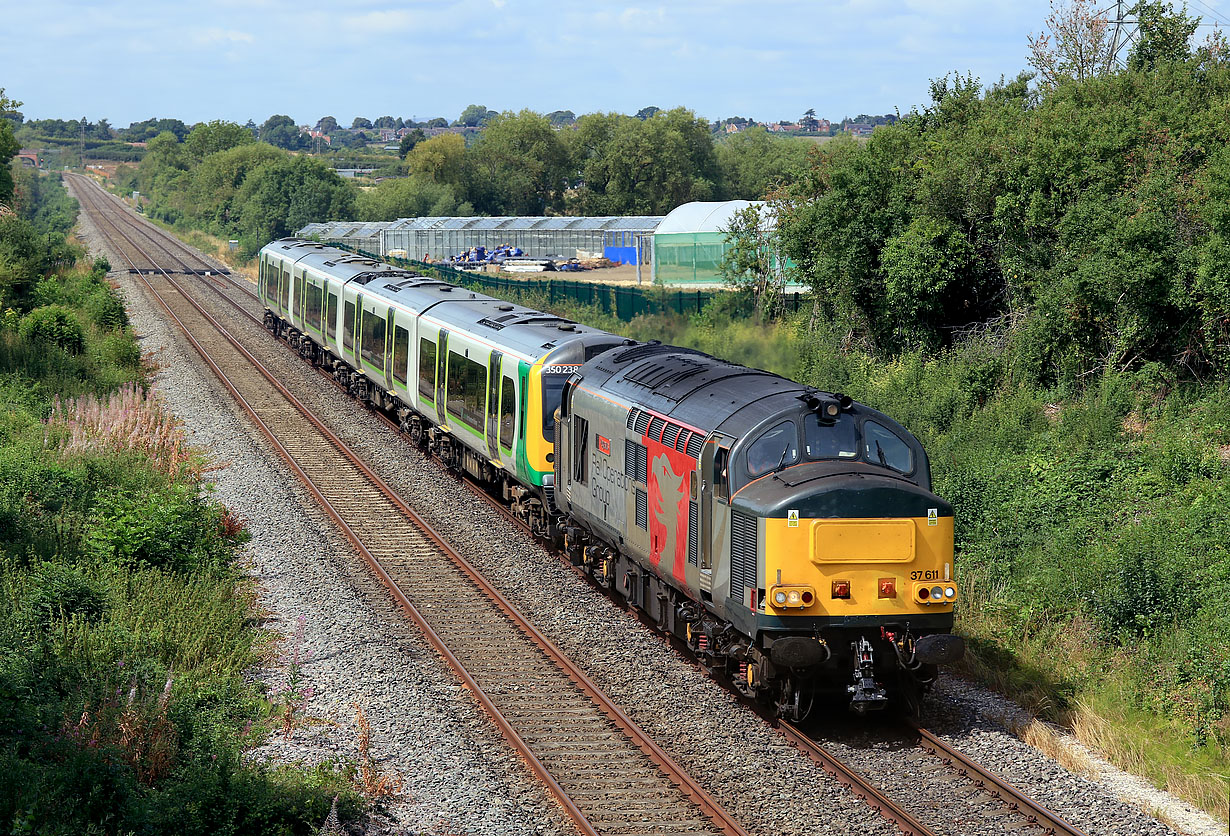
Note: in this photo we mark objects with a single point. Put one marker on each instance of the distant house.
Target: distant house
(859, 129)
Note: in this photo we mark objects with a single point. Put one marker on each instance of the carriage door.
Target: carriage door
(441, 370)
(388, 351)
(714, 506)
(493, 405)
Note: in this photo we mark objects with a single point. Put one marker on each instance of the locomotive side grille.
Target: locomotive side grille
(742, 554)
(696, 444)
(655, 429)
(642, 423)
(681, 443)
(636, 461)
(632, 416)
(672, 433)
(693, 533)
(642, 510)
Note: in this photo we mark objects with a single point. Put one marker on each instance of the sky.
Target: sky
(250, 59)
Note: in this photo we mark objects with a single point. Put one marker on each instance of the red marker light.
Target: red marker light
(888, 588)
(841, 589)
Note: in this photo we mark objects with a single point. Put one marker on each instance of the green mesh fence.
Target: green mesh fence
(625, 302)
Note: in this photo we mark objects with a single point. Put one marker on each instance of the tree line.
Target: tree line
(219, 177)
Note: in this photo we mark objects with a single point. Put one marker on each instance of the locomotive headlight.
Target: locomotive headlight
(789, 595)
(937, 593)
(832, 409)
(950, 592)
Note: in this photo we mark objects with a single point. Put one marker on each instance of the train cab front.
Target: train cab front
(855, 589)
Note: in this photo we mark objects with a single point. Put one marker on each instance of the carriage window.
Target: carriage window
(834, 440)
(427, 370)
(371, 346)
(467, 382)
(286, 290)
(884, 447)
(508, 407)
(331, 317)
(315, 304)
(299, 292)
(401, 354)
(779, 446)
(348, 327)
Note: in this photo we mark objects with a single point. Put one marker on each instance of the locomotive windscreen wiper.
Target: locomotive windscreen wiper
(880, 454)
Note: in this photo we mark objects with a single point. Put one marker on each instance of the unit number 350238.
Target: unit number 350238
(929, 575)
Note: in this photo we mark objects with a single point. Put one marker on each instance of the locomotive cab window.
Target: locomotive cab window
(833, 440)
(778, 447)
(884, 447)
(427, 370)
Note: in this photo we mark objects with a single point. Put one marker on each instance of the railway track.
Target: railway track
(1000, 801)
(608, 775)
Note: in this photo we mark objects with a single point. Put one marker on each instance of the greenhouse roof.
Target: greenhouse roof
(703, 216)
(638, 222)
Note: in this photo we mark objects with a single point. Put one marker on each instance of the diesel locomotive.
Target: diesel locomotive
(788, 535)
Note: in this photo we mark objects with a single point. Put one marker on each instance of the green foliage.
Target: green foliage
(211, 137)
(54, 325)
(282, 132)
(518, 166)
(126, 635)
(754, 162)
(406, 197)
(172, 529)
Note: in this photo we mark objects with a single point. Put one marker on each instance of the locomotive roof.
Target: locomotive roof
(694, 388)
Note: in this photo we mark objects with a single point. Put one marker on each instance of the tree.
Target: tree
(9, 146)
(750, 261)
(215, 182)
(282, 132)
(327, 125)
(646, 112)
(284, 195)
(406, 197)
(1162, 35)
(560, 118)
(211, 137)
(385, 122)
(1076, 46)
(753, 162)
(251, 128)
(518, 166)
(409, 140)
(624, 165)
(360, 122)
(438, 122)
(475, 116)
(440, 158)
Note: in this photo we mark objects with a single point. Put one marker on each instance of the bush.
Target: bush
(169, 529)
(62, 592)
(54, 325)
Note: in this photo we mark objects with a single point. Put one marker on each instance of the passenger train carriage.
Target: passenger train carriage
(789, 536)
